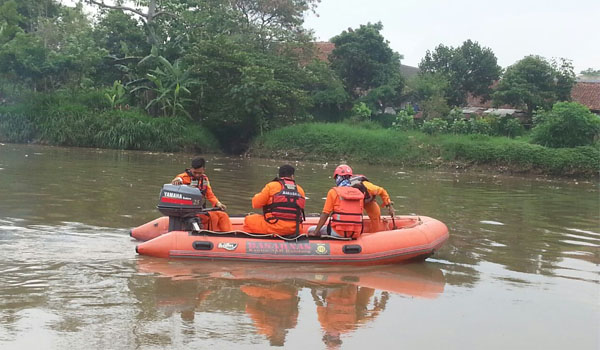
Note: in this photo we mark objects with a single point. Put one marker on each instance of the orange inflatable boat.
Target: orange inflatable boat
(398, 239)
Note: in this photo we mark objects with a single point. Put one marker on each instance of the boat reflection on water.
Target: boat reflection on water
(345, 297)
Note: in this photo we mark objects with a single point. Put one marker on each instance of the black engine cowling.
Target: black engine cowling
(181, 203)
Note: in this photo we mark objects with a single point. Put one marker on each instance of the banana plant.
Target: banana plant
(116, 96)
(170, 84)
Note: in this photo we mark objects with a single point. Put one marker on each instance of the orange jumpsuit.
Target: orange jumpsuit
(371, 207)
(215, 220)
(256, 222)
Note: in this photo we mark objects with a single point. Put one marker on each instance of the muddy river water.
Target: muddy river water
(521, 269)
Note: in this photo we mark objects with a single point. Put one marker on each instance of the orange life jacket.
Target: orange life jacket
(288, 204)
(346, 218)
(356, 181)
(201, 183)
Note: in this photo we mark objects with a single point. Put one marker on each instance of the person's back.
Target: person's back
(344, 204)
(282, 202)
(346, 214)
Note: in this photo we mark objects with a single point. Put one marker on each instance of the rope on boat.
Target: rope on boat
(258, 235)
(266, 235)
(234, 232)
(337, 238)
(290, 239)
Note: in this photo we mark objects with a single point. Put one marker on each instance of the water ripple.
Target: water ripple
(579, 243)
(583, 231)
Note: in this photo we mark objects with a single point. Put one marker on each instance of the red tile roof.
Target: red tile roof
(476, 101)
(323, 49)
(587, 94)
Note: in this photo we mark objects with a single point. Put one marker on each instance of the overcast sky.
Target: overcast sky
(513, 29)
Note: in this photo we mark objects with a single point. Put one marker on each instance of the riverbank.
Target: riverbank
(60, 121)
(344, 142)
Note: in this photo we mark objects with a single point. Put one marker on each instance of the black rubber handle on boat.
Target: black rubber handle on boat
(202, 245)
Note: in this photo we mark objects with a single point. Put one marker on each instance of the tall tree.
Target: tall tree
(329, 97)
(245, 91)
(429, 90)
(468, 68)
(534, 83)
(34, 12)
(25, 61)
(274, 20)
(9, 21)
(364, 61)
(60, 52)
(120, 34)
(124, 39)
(147, 10)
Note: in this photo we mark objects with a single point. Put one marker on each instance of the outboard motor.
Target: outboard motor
(181, 203)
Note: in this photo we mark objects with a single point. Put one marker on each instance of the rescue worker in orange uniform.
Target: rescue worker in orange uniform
(344, 204)
(372, 208)
(282, 201)
(196, 177)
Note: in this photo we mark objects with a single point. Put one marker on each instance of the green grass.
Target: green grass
(343, 142)
(319, 141)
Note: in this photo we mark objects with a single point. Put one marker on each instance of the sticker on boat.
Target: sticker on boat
(285, 248)
(227, 246)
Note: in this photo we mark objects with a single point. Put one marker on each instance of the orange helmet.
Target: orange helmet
(342, 170)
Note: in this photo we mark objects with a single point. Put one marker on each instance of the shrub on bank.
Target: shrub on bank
(460, 127)
(57, 120)
(521, 155)
(568, 124)
(480, 126)
(404, 121)
(435, 126)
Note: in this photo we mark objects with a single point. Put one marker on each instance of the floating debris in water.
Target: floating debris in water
(489, 222)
